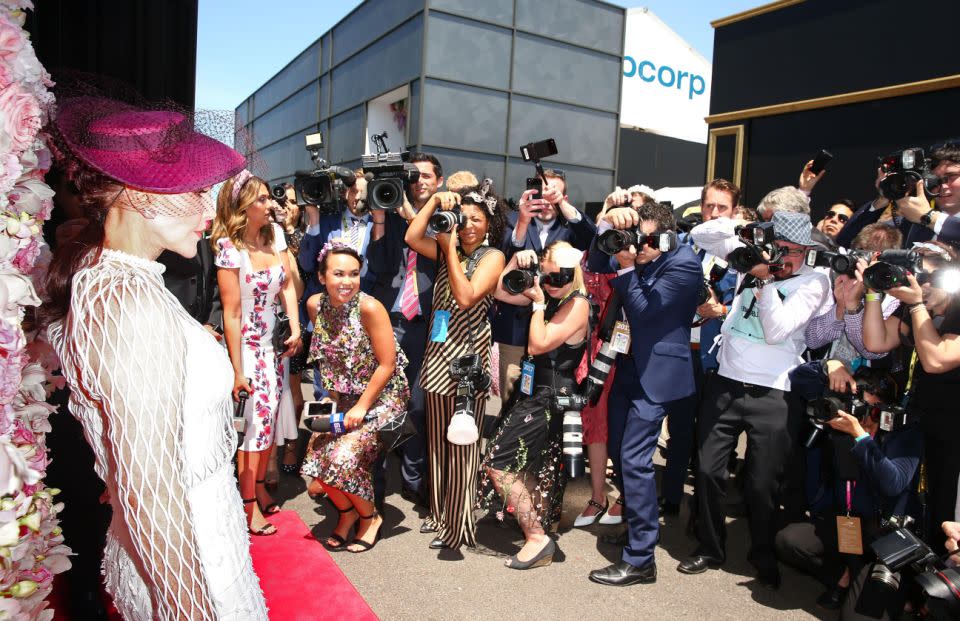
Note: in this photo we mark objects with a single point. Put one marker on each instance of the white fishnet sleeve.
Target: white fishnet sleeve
(136, 362)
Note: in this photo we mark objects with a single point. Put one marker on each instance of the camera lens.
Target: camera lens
(883, 276)
(881, 574)
(517, 281)
(443, 222)
(386, 195)
(614, 241)
(745, 258)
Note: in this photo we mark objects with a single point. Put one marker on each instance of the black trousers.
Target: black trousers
(771, 419)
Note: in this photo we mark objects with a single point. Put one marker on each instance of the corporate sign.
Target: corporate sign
(666, 83)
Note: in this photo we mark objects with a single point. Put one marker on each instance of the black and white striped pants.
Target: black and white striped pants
(454, 471)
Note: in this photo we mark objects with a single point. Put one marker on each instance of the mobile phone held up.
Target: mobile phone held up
(820, 161)
(535, 183)
(536, 151)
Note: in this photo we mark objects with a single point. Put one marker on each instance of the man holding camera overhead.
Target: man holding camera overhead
(539, 221)
(763, 339)
(913, 214)
(658, 283)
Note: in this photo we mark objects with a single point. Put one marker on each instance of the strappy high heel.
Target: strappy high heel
(612, 520)
(270, 509)
(341, 541)
(363, 544)
(265, 530)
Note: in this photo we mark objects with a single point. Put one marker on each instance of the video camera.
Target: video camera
(324, 186)
(471, 378)
(839, 263)
(388, 175)
(758, 238)
(900, 549)
(616, 240)
(901, 172)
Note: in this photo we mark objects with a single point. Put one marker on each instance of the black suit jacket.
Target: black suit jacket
(194, 283)
(510, 323)
(385, 256)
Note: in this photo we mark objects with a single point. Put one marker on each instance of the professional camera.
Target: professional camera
(826, 408)
(279, 194)
(616, 240)
(758, 238)
(606, 356)
(891, 269)
(902, 170)
(839, 263)
(388, 175)
(471, 378)
(571, 406)
(446, 221)
(519, 280)
(689, 221)
(324, 186)
(901, 550)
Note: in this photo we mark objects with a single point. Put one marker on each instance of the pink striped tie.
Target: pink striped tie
(409, 305)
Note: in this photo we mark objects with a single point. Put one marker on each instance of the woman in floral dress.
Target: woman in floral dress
(361, 365)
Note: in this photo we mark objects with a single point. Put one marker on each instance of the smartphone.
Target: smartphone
(536, 151)
(535, 183)
(318, 408)
(820, 161)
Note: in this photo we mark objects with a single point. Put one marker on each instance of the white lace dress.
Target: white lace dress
(152, 390)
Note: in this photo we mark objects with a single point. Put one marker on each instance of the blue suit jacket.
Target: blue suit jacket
(912, 232)
(659, 300)
(385, 256)
(511, 324)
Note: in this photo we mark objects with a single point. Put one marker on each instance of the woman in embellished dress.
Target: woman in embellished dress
(522, 465)
(252, 268)
(149, 384)
(361, 365)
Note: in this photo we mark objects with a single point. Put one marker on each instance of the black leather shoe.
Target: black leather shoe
(427, 527)
(698, 564)
(624, 574)
(437, 544)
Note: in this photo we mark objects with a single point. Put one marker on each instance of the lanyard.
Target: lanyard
(851, 485)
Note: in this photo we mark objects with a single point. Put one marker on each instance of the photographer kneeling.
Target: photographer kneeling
(858, 474)
(523, 461)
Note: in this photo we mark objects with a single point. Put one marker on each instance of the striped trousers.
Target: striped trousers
(454, 472)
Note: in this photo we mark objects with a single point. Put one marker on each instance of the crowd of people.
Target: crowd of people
(743, 322)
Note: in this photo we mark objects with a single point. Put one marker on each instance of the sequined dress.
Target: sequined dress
(152, 390)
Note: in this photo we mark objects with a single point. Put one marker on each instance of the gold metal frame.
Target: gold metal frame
(730, 130)
(750, 13)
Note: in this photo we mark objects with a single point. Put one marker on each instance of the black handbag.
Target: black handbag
(281, 332)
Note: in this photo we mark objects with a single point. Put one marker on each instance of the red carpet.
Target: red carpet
(299, 579)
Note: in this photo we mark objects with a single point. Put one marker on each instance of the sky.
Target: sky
(241, 43)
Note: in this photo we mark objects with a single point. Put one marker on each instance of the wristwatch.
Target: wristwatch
(927, 218)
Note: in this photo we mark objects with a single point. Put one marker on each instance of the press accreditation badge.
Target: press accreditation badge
(886, 420)
(441, 322)
(620, 341)
(526, 378)
(849, 537)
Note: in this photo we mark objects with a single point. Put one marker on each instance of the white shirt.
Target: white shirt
(764, 361)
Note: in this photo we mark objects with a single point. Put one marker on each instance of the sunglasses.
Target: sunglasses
(839, 216)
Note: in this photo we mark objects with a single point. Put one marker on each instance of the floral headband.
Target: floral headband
(239, 181)
(334, 244)
(480, 196)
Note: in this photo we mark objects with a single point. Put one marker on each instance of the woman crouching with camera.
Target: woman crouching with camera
(457, 357)
(361, 365)
(522, 465)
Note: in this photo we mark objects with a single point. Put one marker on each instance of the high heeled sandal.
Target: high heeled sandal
(588, 520)
(612, 520)
(270, 509)
(363, 544)
(264, 531)
(341, 541)
(292, 469)
(543, 558)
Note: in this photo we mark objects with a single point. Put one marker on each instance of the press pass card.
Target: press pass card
(849, 538)
(441, 322)
(620, 341)
(526, 378)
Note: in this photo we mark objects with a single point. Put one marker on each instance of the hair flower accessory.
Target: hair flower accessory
(239, 181)
(482, 196)
(333, 244)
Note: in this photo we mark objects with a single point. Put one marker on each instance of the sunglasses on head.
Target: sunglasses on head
(839, 216)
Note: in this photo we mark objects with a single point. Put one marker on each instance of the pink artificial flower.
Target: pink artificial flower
(11, 40)
(32, 196)
(27, 256)
(11, 338)
(10, 170)
(11, 367)
(20, 118)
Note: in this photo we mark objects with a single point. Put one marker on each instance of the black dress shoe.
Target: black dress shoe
(624, 574)
(832, 598)
(698, 564)
(437, 544)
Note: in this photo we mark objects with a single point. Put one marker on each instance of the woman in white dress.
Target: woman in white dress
(253, 272)
(150, 385)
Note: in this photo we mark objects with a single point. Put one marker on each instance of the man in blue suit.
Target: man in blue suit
(536, 225)
(913, 216)
(659, 292)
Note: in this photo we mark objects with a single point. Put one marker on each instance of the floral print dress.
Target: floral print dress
(345, 362)
(269, 411)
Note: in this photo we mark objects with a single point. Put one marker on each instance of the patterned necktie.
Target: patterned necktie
(353, 235)
(409, 304)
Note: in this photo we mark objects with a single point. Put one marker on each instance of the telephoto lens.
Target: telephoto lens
(446, 221)
(745, 258)
(573, 444)
(279, 193)
(385, 193)
(516, 282)
(615, 240)
(599, 371)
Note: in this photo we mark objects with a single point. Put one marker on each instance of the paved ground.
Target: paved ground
(402, 579)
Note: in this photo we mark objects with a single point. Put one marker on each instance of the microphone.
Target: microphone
(333, 423)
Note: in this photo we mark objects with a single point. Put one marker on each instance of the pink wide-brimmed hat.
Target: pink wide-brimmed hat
(155, 151)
